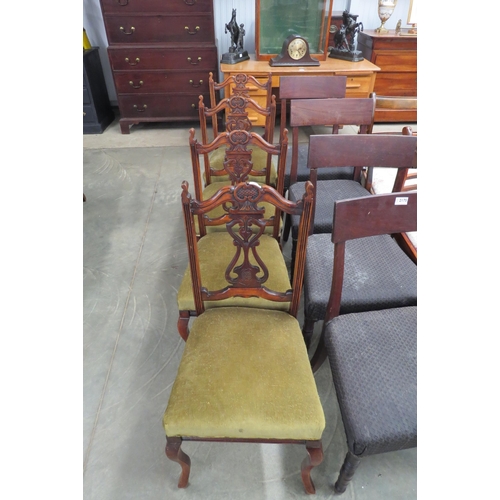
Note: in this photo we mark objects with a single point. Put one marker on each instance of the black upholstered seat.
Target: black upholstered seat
(303, 171)
(373, 358)
(327, 193)
(377, 275)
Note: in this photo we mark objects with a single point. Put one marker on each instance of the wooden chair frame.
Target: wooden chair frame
(236, 108)
(361, 218)
(240, 84)
(335, 112)
(244, 210)
(238, 161)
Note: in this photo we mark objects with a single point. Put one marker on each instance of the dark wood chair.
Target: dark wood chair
(379, 181)
(378, 273)
(306, 87)
(337, 112)
(236, 109)
(372, 355)
(245, 375)
(239, 144)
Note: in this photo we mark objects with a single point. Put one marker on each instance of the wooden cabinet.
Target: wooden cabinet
(396, 56)
(97, 112)
(161, 53)
(360, 77)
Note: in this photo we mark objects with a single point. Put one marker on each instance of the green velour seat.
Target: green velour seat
(263, 387)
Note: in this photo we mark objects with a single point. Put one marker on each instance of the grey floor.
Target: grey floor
(134, 255)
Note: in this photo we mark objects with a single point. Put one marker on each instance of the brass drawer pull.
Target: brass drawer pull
(131, 83)
(196, 85)
(137, 60)
(122, 2)
(194, 63)
(190, 2)
(193, 105)
(140, 110)
(131, 32)
(192, 32)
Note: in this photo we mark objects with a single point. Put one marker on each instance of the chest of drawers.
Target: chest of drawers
(396, 56)
(161, 52)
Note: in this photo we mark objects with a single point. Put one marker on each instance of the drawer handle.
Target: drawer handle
(122, 2)
(194, 63)
(193, 106)
(140, 110)
(132, 64)
(353, 86)
(196, 85)
(131, 83)
(192, 32)
(131, 32)
(190, 2)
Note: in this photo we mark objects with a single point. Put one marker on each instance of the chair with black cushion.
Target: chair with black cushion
(239, 144)
(245, 375)
(353, 150)
(378, 273)
(379, 181)
(372, 354)
(306, 87)
(236, 109)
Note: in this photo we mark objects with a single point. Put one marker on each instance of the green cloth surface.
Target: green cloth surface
(245, 373)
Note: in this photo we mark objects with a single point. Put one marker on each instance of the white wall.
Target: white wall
(366, 10)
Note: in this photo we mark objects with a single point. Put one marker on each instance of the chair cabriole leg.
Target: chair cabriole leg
(314, 458)
(183, 324)
(351, 463)
(174, 452)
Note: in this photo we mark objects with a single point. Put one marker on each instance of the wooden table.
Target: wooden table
(360, 76)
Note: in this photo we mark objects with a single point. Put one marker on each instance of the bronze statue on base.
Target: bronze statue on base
(236, 53)
(345, 39)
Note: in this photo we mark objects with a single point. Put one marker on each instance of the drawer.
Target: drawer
(358, 86)
(193, 57)
(396, 84)
(160, 105)
(395, 60)
(155, 82)
(122, 6)
(176, 28)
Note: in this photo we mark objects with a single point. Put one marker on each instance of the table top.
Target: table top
(330, 65)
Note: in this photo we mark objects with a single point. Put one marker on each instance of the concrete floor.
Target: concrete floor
(134, 256)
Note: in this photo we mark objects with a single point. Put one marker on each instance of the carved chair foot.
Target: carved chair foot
(182, 324)
(351, 463)
(314, 458)
(174, 452)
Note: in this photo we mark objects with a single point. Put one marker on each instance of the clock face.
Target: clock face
(297, 49)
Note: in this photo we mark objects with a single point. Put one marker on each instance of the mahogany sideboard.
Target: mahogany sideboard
(161, 53)
(360, 77)
(396, 55)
